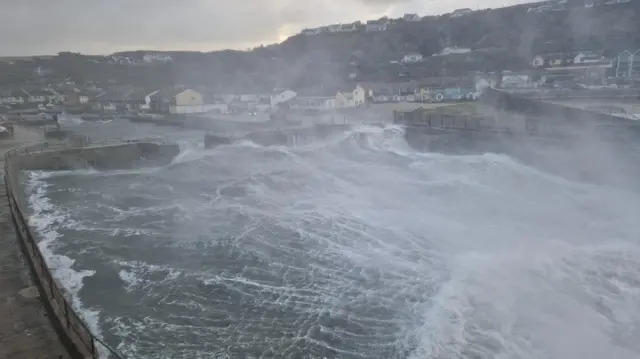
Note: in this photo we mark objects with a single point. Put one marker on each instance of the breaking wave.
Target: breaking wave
(354, 246)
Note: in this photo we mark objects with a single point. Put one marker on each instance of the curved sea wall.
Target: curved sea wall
(71, 329)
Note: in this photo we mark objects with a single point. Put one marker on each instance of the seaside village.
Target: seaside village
(558, 73)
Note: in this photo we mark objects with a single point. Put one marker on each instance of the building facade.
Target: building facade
(628, 64)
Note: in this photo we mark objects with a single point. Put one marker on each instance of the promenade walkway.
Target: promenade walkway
(25, 329)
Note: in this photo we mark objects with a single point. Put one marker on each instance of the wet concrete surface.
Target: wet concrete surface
(25, 330)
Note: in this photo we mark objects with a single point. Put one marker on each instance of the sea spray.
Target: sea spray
(353, 246)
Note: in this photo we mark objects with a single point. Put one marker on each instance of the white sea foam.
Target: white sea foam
(46, 219)
(431, 255)
(134, 273)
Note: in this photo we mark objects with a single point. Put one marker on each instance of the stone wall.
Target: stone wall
(552, 119)
(285, 136)
(533, 107)
(118, 156)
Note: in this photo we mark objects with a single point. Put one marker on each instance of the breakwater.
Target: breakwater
(516, 119)
(565, 94)
(284, 136)
(102, 157)
(547, 111)
(551, 119)
(538, 134)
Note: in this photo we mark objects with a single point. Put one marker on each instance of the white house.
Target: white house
(146, 106)
(76, 98)
(352, 97)
(516, 80)
(38, 96)
(156, 57)
(538, 61)
(482, 83)
(628, 64)
(184, 101)
(279, 96)
(108, 100)
(313, 103)
(411, 17)
(13, 97)
(376, 25)
(83, 98)
(54, 96)
(461, 12)
(412, 57)
(187, 101)
(122, 60)
(334, 28)
(588, 57)
(349, 27)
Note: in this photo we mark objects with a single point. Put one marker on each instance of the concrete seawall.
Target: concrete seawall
(285, 136)
(552, 112)
(572, 143)
(26, 330)
(117, 156)
(526, 121)
(551, 119)
(72, 331)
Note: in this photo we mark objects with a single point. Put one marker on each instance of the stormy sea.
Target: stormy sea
(351, 246)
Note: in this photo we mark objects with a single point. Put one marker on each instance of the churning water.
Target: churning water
(349, 247)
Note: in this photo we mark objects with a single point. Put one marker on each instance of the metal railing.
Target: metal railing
(81, 341)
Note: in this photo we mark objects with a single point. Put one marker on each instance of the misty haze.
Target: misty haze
(366, 179)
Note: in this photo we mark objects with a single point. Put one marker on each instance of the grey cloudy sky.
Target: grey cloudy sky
(33, 27)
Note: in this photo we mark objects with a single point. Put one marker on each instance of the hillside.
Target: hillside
(502, 39)
(509, 37)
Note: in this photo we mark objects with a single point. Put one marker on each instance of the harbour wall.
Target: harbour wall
(552, 119)
(547, 111)
(104, 157)
(572, 143)
(73, 332)
(285, 136)
(516, 122)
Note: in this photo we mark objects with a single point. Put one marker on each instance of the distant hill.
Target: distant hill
(502, 39)
(505, 38)
(515, 33)
(21, 58)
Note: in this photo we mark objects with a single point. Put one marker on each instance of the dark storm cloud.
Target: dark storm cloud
(104, 26)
